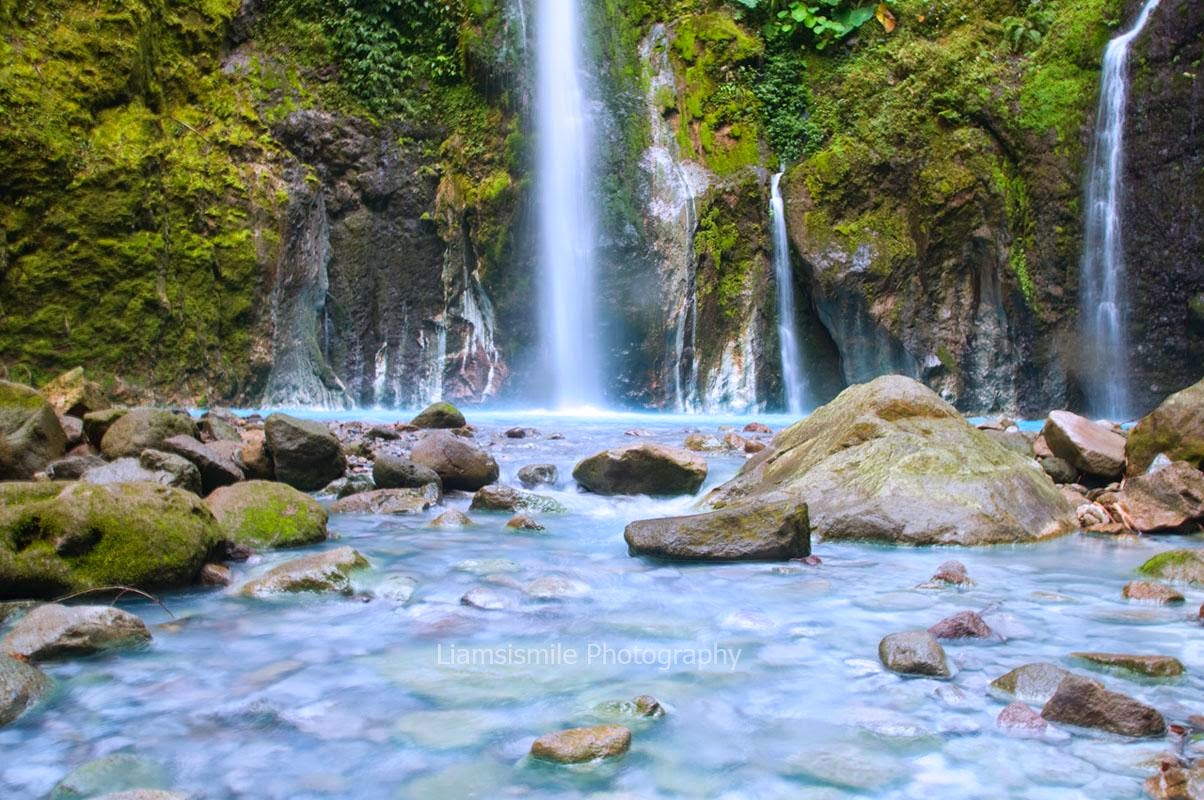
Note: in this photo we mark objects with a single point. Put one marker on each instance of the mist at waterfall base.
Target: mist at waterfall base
(1103, 292)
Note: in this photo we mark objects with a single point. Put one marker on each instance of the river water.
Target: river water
(333, 697)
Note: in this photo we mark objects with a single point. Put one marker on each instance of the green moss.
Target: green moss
(260, 514)
(1186, 566)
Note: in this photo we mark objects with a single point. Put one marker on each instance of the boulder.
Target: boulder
(254, 456)
(30, 433)
(1059, 470)
(1013, 440)
(1087, 446)
(72, 394)
(578, 745)
(890, 461)
(184, 474)
(328, 572)
(645, 468)
(1031, 683)
(951, 573)
(1149, 592)
(391, 472)
(1148, 666)
(459, 463)
(97, 423)
(534, 475)
(1175, 428)
(216, 428)
(352, 484)
(452, 518)
(1166, 501)
(439, 415)
(57, 538)
(144, 428)
(1087, 704)
(217, 468)
(496, 497)
(775, 531)
(22, 685)
(964, 625)
(305, 454)
(1184, 566)
(262, 514)
(913, 653)
(53, 631)
(521, 433)
(521, 522)
(72, 468)
(131, 470)
(385, 501)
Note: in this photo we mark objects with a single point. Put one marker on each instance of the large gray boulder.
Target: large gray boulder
(775, 531)
(305, 454)
(21, 686)
(890, 461)
(53, 631)
(393, 472)
(30, 434)
(459, 463)
(144, 428)
(1089, 447)
(645, 468)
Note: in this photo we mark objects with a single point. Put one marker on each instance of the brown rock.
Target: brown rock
(964, 625)
(1169, 500)
(1018, 719)
(256, 460)
(1087, 704)
(215, 575)
(768, 531)
(217, 469)
(521, 522)
(952, 573)
(646, 468)
(72, 394)
(579, 745)
(452, 518)
(1150, 666)
(459, 463)
(1175, 428)
(1088, 446)
(1150, 592)
(757, 427)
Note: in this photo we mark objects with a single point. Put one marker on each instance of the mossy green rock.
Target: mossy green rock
(1175, 428)
(142, 429)
(890, 461)
(57, 538)
(21, 686)
(262, 514)
(439, 415)
(97, 423)
(1185, 566)
(328, 572)
(30, 434)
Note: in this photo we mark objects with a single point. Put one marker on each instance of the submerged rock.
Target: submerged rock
(1018, 719)
(439, 415)
(1087, 704)
(775, 531)
(890, 461)
(1168, 500)
(460, 464)
(384, 501)
(1087, 446)
(1175, 428)
(914, 653)
(61, 538)
(391, 472)
(30, 433)
(646, 468)
(143, 794)
(579, 745)
(320, 572)
(1031, 683)
(551, 587)
(496, 497)
(1150, 592)
(1184, 566)
(144, 428)
(521, 522)
(534, 475)
(485, 599)
(21, 687)
(305, 454)
(964, 625)
(263, 514)
(1149, 666)
(118, 773)
(452, 518)
(53, 631)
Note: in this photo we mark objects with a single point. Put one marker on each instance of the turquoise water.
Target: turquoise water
(331, 697)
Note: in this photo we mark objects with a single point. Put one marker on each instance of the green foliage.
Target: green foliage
(815, 22)
(781, 91)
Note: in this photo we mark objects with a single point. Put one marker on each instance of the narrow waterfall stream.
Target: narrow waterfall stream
(1103, 265)
(566, 219)
(793, 375)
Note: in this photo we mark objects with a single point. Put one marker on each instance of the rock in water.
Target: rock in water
(1149, 666)
(951, 573)
(439, 415)
(73, 395)
(913, 653)
(305, 454)
(1087, 446)
(30, 434)
(391, 472)
(144, 428)
(1175, 428)
(534, 475)
(459, 463)
(521, 522)
(262, 514)
(651, 469)
(61, 538)
(579, 745)
(496, 497)
(1186, 566)
(21, 686)
(965, 625)
(319, 572)
(775, 531)
(384, 501)
(56, 631)
(452, 518)
(1020, 720)
(1149, 592)
(1169, 500)
(1031, 683)
(890, 461)
(217, 468)
(1087, 704)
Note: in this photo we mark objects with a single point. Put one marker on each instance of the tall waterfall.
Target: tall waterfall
(1103, 266)
(793, 374)
(566, 229)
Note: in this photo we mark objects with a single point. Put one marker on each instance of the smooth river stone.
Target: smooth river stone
(1151, 666)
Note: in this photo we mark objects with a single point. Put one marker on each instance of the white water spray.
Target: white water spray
(793, 373)
(1103, 266)
(566, 230)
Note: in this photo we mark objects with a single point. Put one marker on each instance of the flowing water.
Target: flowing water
(1103, 267)
(794, 376)
(566, 229)
(310, 697)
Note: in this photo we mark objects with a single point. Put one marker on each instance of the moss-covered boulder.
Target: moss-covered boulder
(97, 423)
(21, 686)
(1175, 428)
(305, 454)
(1185, 566)
(30, 434)
(890, 461)
(328, 572)
(774, 531)
(72, 394)
(57, 538)
(144, 428)
(439, 415)
(262, 514)
(645, 468)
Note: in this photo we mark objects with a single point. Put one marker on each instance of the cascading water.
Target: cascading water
(793, 374)
(566, 230)
(1103, 266)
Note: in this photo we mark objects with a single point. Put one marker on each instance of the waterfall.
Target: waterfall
(793, 376)
(1103, 266)
(566, 230)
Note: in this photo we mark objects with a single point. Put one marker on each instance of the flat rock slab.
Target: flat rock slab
(1149, 666)
(53, 631)
(384, 501)
(579, 745)
(646, 468)
(319, 572)
(1087, 704)
(1087, 446)
(914, 653)
(772, 531)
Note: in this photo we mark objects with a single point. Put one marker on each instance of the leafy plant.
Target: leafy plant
(1024, 33)
(823, 21)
